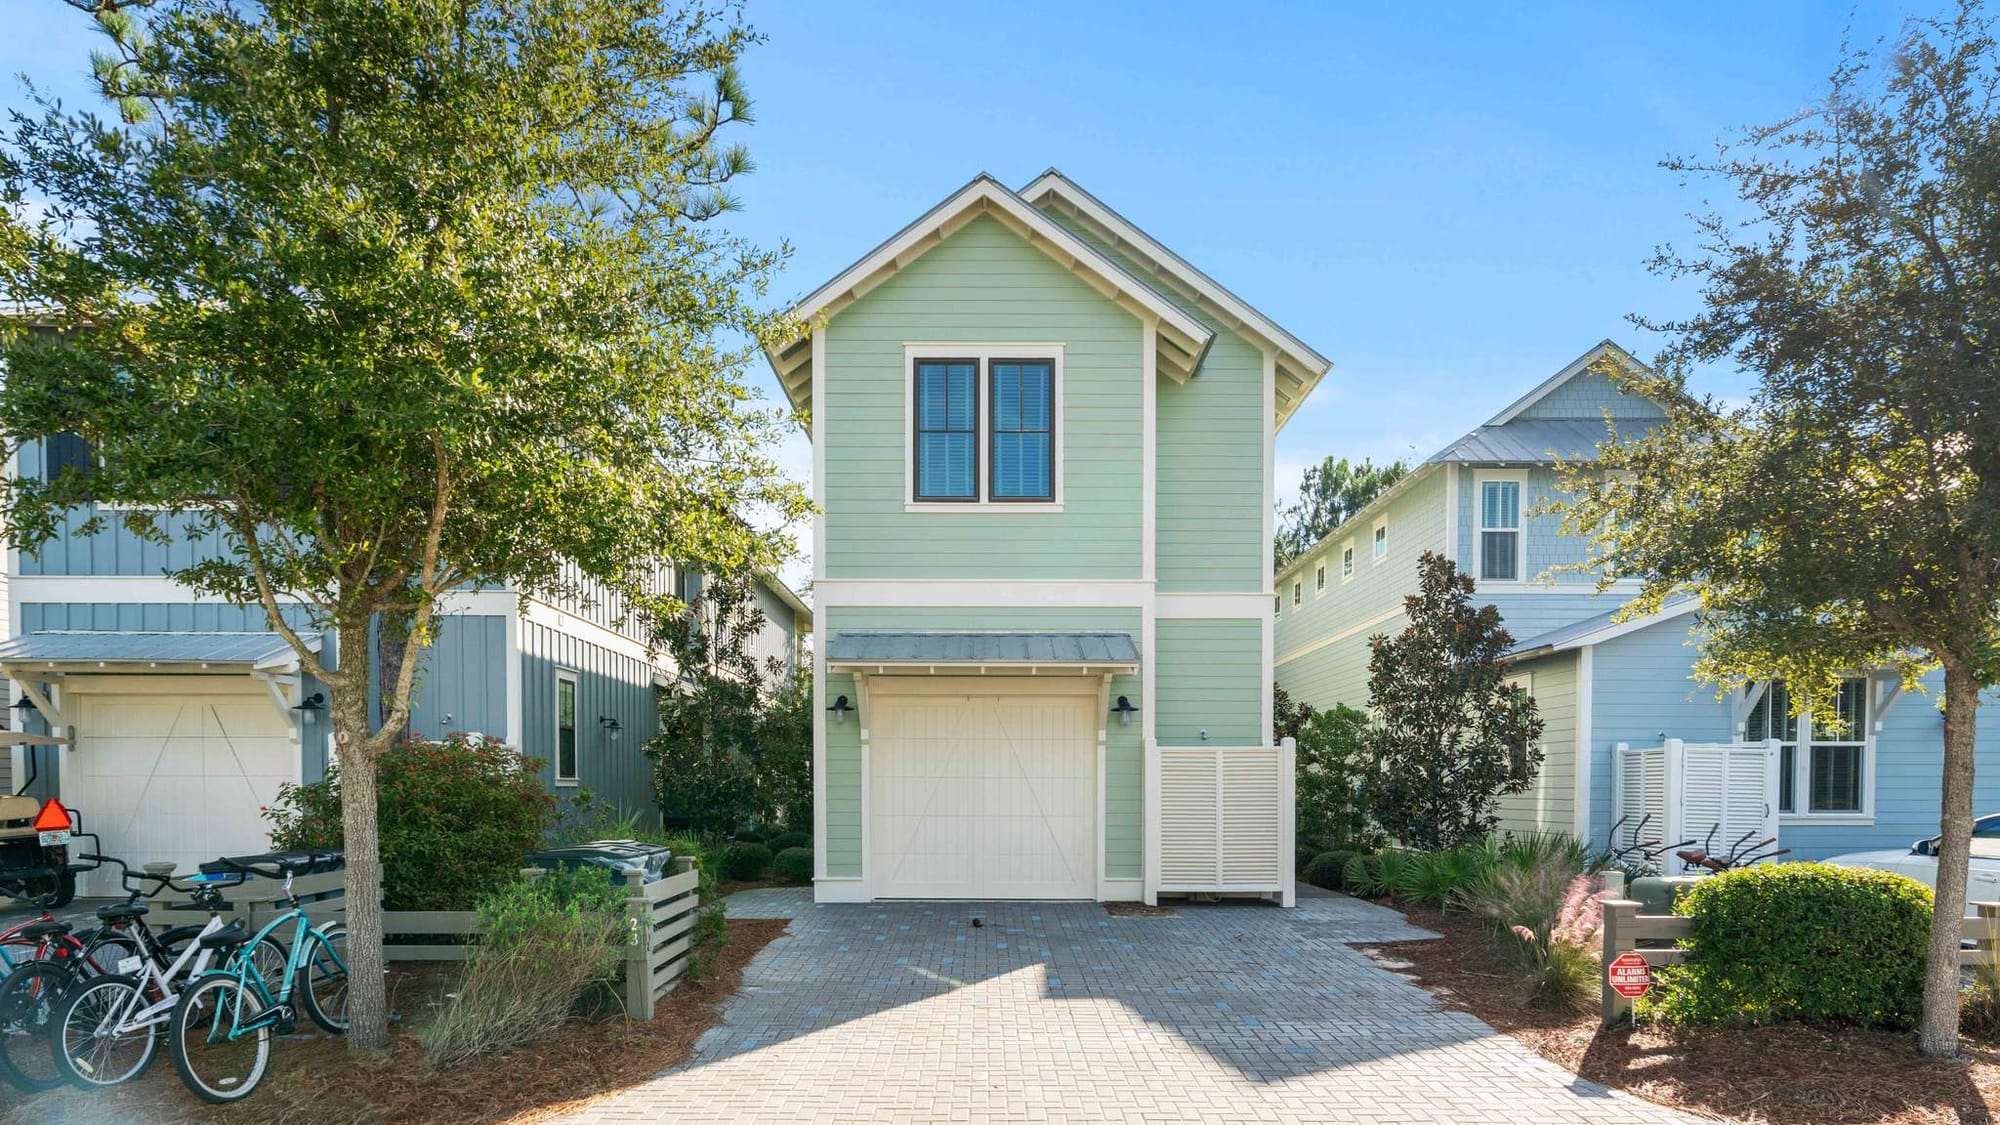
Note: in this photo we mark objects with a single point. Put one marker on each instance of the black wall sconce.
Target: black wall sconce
(314, 702)
(840, 707)
(611, 726)
(1124, 710)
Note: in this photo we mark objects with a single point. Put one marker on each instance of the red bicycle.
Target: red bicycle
(46, 959)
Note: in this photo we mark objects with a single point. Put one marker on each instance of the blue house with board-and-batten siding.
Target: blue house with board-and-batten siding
(184, 715)
(1628, 730)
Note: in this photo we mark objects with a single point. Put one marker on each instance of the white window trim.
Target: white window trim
(1802, 772)
(1380, 534)
(984, 353)
(569, 676)
(1347, 562)
(1319, 579)
(1480, 478)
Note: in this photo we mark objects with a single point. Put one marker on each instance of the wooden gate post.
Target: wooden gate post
(638, 947)
(1620, 920)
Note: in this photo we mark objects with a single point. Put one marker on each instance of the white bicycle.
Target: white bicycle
(107, 1030)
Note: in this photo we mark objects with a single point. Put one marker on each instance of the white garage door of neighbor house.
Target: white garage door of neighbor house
(983, 795)
(181, 777)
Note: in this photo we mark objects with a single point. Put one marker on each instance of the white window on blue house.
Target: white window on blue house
(1822, 763)
(566, 754)
(985, 427)
(1500, 539)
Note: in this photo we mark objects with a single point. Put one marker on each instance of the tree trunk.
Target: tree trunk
(368, 1002)
(392, 639)
(1939, 1034)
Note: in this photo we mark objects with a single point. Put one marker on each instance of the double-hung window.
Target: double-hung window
(1500, 529)
(1381, 548)
(1319, 579)
(986, 429)
(1347, 562)
(566, 763)
(1821, 762)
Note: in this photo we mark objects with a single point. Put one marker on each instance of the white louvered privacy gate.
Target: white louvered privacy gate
(1223, 820)
(1703, 792)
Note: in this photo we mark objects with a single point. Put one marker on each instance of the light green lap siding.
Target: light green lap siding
(1334, 674)
(1124, 748)
(1550, 805)
(1208, 675)
(983, 285)
(1210, 491)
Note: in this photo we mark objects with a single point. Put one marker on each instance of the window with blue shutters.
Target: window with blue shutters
(1023, 457)
(947, 418)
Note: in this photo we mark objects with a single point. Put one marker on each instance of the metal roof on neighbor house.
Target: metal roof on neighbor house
(1534, 440)
(851, 646)
(149, 648)
(1593, 629)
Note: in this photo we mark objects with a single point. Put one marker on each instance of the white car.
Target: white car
(1919, 862)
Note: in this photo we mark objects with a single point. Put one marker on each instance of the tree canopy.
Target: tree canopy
(1846, 517)
(1329, 495)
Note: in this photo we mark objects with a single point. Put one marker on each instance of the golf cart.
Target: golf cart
(36, 835)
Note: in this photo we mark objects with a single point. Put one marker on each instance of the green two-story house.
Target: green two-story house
(1042, 451)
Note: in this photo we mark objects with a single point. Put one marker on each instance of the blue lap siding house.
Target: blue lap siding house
(1601, 683)
(185, 715)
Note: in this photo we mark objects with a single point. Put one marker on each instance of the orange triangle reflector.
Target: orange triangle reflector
(52, 818)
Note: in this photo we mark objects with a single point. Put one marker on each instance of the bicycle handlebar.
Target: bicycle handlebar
(126, 875)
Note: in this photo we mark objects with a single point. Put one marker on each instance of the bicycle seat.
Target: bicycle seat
(228, 937)
(36, 931)
(174, 935)
(122, 911)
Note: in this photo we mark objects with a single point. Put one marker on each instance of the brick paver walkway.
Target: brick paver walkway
(1060, 1013)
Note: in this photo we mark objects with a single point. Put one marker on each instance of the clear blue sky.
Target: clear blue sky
(1450, 201)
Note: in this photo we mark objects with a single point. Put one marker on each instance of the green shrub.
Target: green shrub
(1805, 942)
(785, 841)
(583, 817)
(1436, 878)
(1374, 876)
(1536, 849)
(750, 834)
(793, 865)
(1327, 869)
(543, 947)
(746, 862)
(457, 818)
(1331, 771)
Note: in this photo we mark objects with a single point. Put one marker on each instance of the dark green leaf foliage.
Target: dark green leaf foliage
(747, 862)
(1450, 735)
(1805, 942)
(1331, 774)
(793, 865)
(1331, 492)
(457, 819)
(785, 840)
(707, 757)
(784, 756)
(1288, 716)
(1326, 868)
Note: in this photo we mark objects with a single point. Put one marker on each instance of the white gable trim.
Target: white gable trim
(1577, 367)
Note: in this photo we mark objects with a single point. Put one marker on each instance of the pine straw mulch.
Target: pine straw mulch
(1785, 1075)
(315, 1079)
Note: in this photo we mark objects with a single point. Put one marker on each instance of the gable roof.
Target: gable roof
(1183, 338)
(1581, 364)
(1300, 368)
(1603, 627)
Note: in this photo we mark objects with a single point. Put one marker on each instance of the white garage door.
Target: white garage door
(983, 795)
(180, 776)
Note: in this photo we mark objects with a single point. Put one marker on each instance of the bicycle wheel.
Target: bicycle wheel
(28, 1001)
(218, 1059)
(105, 948)
(323, 977)
(90, 1048)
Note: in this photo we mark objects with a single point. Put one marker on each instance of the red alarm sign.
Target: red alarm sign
(1629, 975)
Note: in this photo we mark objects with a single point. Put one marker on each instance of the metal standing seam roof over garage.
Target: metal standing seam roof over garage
(254, 649)
(865, 647)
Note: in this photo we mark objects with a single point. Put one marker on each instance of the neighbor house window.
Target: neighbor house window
(1024, 464)
(1298, 592)
(1381, 541)
(566, 727)
(1319, 579)
(947, 412)
(1500, 530)
(66, 450)
(1821, 762)
(1519, 768)
(1347, 562)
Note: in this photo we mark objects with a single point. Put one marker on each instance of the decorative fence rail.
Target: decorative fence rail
(1655, 937)
(660, 922)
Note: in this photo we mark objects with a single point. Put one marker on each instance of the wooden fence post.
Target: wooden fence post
(638, 947)
(1620, 920)
(1988, 937)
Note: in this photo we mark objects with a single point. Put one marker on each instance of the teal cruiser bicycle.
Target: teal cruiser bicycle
(220, 1033)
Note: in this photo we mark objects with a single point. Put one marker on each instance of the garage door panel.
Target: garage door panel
(1011, 804)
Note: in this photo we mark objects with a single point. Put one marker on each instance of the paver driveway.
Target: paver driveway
(1045, 1012)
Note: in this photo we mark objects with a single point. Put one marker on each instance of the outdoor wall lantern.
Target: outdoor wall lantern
(840, 707)
(611, 726)
(1123, 709)
(314, 702)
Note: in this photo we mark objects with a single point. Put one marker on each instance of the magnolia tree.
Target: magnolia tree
(387, 298)
(1843, 518)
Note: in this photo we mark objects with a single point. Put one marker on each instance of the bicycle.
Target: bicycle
(106, 1030)
(220, 1035)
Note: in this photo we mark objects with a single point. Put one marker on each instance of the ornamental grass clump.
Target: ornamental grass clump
(545, 947)
(1545, 918)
